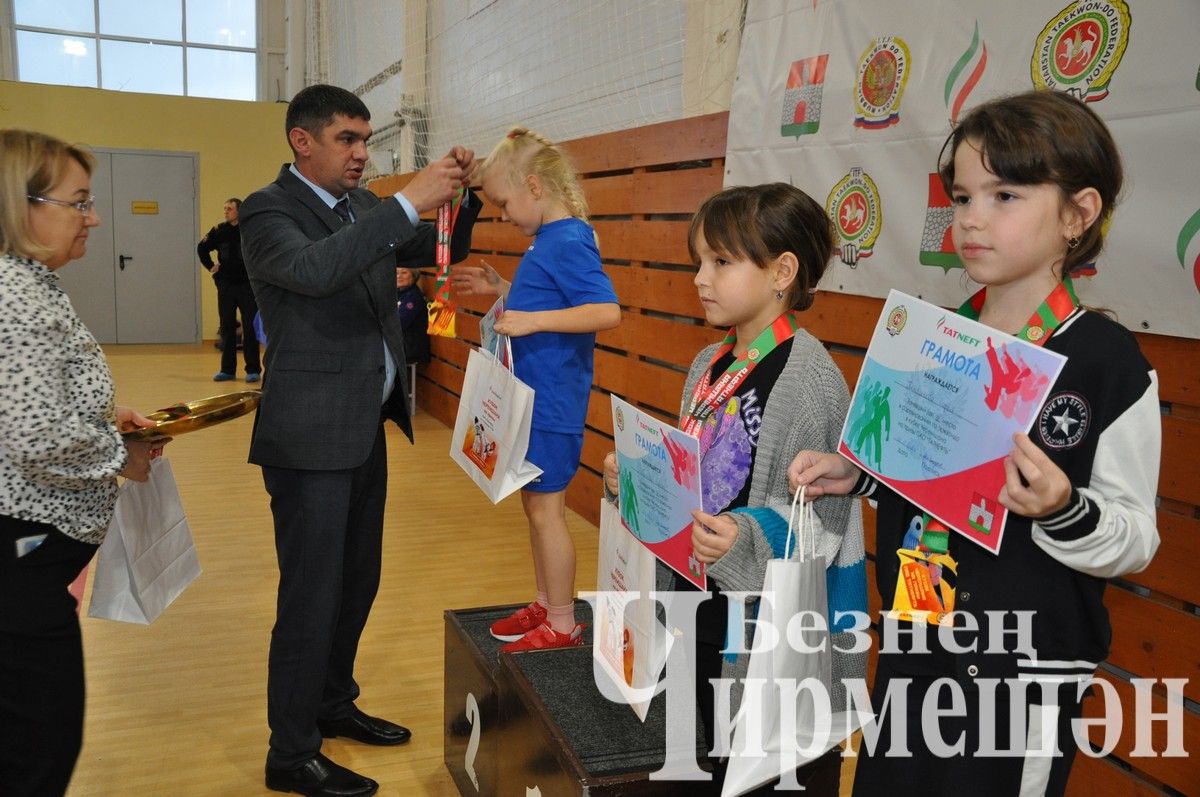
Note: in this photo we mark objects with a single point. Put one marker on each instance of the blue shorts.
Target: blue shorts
(557, 454)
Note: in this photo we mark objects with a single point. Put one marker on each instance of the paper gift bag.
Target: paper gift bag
(790, 738)
(491, 430)
(148, 557)
(631, 644)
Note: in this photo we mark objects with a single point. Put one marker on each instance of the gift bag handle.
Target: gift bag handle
(509, 364)
(798, 525)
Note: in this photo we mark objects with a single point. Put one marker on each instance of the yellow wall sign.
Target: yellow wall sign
(144, 207)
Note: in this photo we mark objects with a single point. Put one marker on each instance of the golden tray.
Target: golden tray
(182, 418)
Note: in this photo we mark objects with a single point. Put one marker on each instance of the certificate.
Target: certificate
(490, 340)
(937, 402)
(660, 486)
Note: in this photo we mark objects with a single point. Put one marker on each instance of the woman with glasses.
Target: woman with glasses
(60, 454)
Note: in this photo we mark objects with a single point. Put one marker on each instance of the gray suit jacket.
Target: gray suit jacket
(327, 295)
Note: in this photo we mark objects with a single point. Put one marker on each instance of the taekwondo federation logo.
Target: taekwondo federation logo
(854, 206)
(1064, 420)
(882, 74)
(965, 75)
(802, 96)
(937, 239)
(1187, 248)
(1079, 50)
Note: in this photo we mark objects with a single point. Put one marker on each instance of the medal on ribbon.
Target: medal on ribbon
(441, 308)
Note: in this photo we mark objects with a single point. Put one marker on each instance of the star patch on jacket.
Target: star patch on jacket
(1064, 420)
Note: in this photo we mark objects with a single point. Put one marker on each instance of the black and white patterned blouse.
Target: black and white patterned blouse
(60, 451)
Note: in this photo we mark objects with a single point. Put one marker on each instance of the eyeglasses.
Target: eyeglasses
(85, 207)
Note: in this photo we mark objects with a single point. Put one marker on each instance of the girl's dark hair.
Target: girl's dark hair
(1044, 136)
(760, 223)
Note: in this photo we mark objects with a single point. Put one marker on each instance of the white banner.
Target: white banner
(851, 100)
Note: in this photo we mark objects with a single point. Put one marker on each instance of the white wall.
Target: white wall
(566, 68)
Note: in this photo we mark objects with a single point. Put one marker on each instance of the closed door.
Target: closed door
(138, 282)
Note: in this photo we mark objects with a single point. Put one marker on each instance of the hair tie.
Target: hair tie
(514, 134)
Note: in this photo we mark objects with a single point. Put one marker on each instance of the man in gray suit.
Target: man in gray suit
(322, 256)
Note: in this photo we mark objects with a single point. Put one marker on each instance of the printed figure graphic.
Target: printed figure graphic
(876, 415)
(481, 448)
(628, 498)
(862, 411)
(1007, 377)
(682, 466)
(477, 445)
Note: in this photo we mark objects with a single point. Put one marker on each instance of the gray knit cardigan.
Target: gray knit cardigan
(805, 410)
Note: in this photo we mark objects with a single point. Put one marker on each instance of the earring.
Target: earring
(779, 296)
(1072, 242)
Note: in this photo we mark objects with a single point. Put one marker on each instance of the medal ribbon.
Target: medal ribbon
(708, 397)
(1041, 325)
(441, 308)
(447, 215)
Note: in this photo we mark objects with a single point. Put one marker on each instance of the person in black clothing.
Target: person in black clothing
(410, 305)
(234, 294)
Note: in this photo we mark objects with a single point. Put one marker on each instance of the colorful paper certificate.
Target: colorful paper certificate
(490, 340)
(935, 408)
(660, 486)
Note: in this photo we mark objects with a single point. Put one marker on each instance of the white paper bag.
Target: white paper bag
(794, 586)
(631, 645)
(148, 557)
(491, 430)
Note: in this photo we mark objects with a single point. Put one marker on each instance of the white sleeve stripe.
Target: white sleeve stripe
(1069, 515)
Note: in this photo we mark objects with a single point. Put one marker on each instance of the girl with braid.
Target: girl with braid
(558, 300)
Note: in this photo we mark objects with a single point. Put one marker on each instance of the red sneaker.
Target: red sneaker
(544, 638)
(519, 623)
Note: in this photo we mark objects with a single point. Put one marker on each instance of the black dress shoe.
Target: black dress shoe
(320, 777)
(364, 728)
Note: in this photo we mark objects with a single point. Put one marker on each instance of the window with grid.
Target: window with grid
(195, 48)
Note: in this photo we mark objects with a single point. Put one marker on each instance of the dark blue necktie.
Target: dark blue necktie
(342, 208)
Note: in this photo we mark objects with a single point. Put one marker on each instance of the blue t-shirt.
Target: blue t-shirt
(560, 269)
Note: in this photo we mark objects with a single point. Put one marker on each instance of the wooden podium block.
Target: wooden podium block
(472, 704)
(535, 723)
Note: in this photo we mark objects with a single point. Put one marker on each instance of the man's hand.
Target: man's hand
(465, 159)
(436, 183)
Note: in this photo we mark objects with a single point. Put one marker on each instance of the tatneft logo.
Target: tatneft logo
(961, 337)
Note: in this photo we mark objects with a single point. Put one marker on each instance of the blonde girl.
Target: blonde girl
(558, 299)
